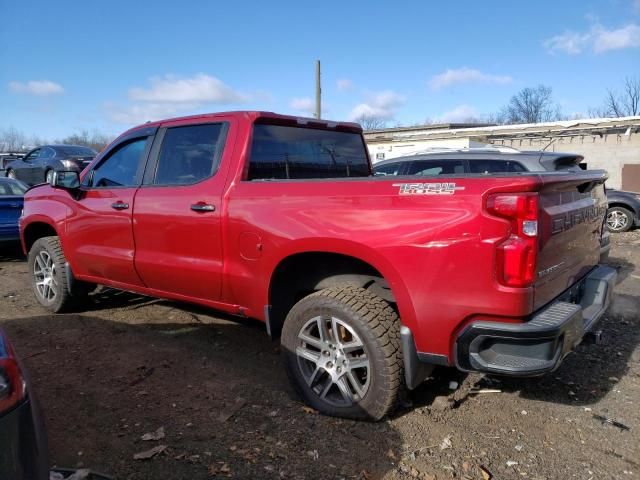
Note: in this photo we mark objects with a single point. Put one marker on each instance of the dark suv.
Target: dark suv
(478, 160)
(624, 207)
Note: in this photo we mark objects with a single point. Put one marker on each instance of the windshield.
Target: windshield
(79, 151)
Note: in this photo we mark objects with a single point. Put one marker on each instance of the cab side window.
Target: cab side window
(120, 169)
(190, 154)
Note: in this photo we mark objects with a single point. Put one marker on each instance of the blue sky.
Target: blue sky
(67, 66)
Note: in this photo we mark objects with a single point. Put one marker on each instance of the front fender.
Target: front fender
(43, 206)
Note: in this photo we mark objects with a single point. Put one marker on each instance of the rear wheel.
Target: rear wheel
(341, 350)
(619, 219)
(49, 280)
(11, 174)
(48, 176)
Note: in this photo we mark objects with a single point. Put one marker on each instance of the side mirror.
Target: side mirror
(66, 180)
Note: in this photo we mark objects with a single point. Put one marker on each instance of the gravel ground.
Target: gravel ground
(130, 365)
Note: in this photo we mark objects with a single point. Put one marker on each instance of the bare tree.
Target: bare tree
(529, 105)
(371, 122)
(95, 139)
(624, 104)
(12, 140)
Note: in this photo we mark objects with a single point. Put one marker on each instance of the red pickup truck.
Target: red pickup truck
(369, 282)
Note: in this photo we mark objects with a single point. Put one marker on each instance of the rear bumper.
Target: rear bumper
(538, 345)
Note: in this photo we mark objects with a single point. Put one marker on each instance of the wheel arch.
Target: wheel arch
(626, 206)
(310, 270)
(34, 231)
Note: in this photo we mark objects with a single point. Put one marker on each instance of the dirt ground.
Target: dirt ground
(130, 365)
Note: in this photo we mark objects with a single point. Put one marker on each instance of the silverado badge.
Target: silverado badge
(443, 188)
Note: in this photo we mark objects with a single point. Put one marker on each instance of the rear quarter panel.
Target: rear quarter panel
(435, 250)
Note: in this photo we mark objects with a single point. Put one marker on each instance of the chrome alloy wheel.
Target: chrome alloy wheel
(48, 176)
(333, 361)
(617, 220)
(44, 272)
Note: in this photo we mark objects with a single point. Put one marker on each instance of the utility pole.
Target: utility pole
(318, 89)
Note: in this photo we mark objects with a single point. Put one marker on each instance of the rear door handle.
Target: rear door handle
(120, 205)
(203, 207)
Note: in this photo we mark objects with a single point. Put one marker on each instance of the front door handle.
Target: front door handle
(120, 205)
(203, 207)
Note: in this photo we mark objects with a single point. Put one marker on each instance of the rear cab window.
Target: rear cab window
(294, 152)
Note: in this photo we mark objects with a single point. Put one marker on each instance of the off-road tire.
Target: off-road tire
(378, 327)
(65, 300)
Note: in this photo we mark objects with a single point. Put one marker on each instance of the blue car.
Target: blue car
(11, 201)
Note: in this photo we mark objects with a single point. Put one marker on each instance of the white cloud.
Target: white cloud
(461, 113)
(598, 39)
(625, 37)
(170, 95)
(143, 112)
(569, 42)
(346, 85)
(381, 105)
(199, 89)
(466, 75)
(306, 105)
(36, 87)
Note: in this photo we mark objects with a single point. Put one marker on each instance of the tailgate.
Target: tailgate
(572, 210)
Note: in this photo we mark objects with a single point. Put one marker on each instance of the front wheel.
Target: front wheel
(49, 280)
(48, 176)
(11, 174)
(619, 219)
(341, 350)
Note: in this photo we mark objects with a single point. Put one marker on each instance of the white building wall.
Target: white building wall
(609, 152)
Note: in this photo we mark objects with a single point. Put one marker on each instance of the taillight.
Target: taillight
(12, 385)
(516, 256)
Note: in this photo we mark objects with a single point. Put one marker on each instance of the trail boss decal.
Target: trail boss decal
(445, 188)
